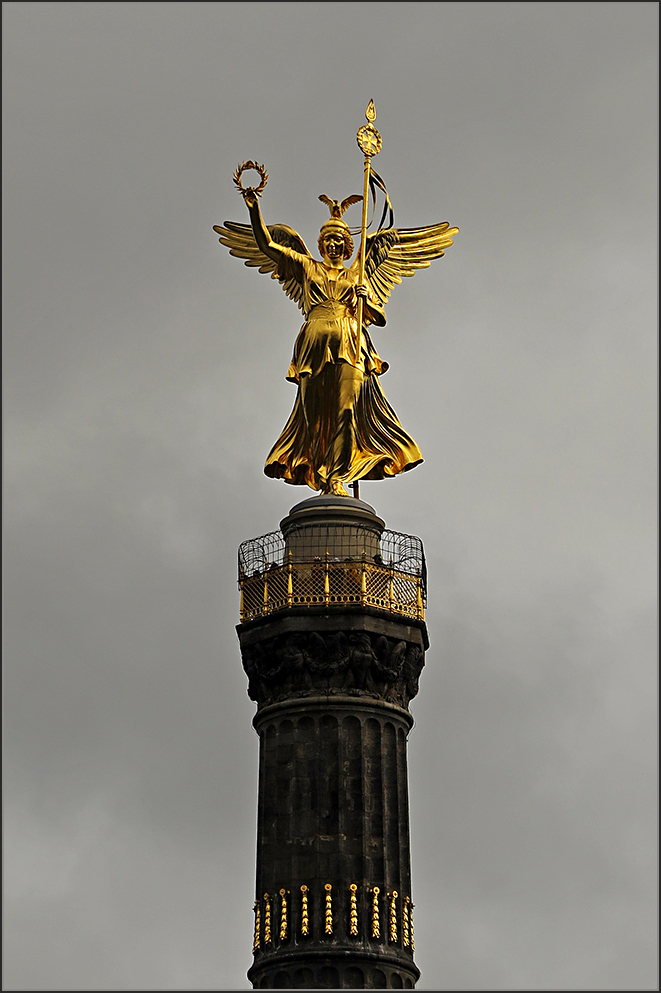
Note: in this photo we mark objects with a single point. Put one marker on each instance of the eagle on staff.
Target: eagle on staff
(342, 428)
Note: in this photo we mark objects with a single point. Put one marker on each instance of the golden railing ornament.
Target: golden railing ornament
(257, 190)
(305, 584)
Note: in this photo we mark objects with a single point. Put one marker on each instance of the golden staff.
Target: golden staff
(369, 142)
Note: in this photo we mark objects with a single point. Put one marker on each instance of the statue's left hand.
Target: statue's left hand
(361, 290)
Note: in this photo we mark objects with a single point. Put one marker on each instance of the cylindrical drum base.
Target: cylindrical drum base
(333, 902)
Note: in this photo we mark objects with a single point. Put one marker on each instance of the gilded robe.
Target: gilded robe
(341, 427)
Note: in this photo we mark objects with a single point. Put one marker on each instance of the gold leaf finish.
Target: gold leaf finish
(369, 140)
(328, 916)
(267, 920)
(406, 934)
(393, 916)
(306, 584)
(283, 915)
(341, 428)
(353, 911)
(305, 918)
(376, 921)
(258, 927)
(263, 174)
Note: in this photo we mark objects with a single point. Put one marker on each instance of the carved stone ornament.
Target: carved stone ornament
(300, 664)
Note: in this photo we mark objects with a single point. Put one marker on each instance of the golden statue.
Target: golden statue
(342, 428)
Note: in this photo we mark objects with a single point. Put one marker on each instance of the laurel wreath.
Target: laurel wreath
(257, 190)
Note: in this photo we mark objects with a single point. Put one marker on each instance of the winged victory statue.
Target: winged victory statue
(342, 428)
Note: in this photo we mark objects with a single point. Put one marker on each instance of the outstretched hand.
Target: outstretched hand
(250, 198)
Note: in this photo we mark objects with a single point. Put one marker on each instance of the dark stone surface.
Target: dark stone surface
(333, 809)
(332, 689)
(349, 618)
(332, 509)
(317, 969)
(338, 659)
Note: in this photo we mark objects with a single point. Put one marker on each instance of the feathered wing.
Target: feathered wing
(240, 240)
(396, 252)
(350, 200)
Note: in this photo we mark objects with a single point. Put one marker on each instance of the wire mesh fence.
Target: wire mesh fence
(332, 565)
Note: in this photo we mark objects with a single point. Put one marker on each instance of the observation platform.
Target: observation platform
(332, 552)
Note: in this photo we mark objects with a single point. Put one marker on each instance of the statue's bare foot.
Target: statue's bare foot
(337, 489)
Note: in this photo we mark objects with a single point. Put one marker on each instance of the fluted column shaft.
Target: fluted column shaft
(333, 811)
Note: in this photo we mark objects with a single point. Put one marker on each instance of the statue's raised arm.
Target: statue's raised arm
(262, 248)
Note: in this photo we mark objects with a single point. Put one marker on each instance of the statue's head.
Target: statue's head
(337, 227)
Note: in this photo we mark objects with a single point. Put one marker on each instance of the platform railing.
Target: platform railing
(326, 582)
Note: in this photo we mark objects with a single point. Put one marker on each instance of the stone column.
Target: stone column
(333, 680)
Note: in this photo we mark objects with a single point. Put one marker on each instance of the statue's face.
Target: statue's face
(334, 246)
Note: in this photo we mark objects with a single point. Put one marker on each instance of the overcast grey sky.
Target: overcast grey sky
(144, 385)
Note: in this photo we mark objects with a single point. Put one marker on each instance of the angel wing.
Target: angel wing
(397, 252)
(240, 240)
